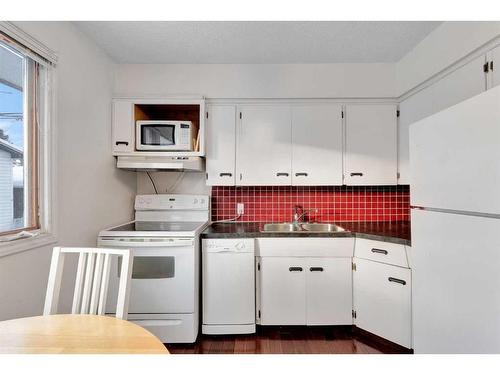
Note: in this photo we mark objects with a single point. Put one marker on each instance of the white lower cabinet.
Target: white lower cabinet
(328, 291)
(382, 300)
(305, 291)
(282, 291)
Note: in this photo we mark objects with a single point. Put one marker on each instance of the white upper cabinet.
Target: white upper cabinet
(264, 147)
(122, 130)
(371, 144)
(494, 67)
(220, 145)
(412, 109)
(317, 144)
(461, 84)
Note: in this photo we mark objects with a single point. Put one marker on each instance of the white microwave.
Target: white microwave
(164, 135)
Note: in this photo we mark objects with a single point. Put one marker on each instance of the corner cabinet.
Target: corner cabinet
(264, 149)
(382, 290)
(221, 147)
(370, 144)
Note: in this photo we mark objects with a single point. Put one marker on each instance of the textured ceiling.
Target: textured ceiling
(252, 42)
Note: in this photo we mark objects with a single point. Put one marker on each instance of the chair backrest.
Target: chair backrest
(92, 279)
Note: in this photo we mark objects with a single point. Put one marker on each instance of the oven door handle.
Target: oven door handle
(166, 242)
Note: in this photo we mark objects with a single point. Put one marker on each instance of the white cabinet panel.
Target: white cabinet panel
(412, 109)
(122, 132)
(221, 141)
(283, 291)
(455, 156)
(329, 291)
(380, 251)
(371, 144)
(455, 293)
(317, 144)
(264, 145)
(382, 300)
(461, 84)
(494, 56)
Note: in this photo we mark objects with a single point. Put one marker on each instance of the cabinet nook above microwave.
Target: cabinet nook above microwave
(154, 127)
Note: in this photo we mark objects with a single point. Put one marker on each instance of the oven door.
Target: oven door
(157, 136)
(164, 275)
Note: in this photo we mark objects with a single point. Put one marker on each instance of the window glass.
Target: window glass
(16, 143)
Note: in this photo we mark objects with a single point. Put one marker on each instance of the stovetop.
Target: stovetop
(158, 226)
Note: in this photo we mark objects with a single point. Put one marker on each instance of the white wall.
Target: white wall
(91, 193)
(257, 80)
(447, 44)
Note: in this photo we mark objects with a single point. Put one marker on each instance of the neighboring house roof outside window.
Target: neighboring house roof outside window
(14, 151)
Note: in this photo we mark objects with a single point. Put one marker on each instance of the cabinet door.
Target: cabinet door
(220, 151)
(123, 127)
(463, 83)
(382, 300)
(412, 109)
(494, 60)
(317, 144)
(264, 145)
(283, 291)
(371, 144)
(329, 291)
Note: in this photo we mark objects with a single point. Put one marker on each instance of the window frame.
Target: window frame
(41, 136)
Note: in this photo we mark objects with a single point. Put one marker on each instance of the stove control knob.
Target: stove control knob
(240, 246)
(195, 201)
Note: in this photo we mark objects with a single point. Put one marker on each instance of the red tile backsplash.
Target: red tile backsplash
(334, 203)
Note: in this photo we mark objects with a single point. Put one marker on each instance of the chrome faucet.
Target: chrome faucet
(297, 217)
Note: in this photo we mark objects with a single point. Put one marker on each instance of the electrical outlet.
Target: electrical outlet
(240, 208)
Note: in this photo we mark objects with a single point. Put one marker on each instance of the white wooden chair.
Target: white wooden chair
(92, 278)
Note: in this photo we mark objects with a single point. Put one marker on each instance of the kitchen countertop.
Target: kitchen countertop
(395, 232)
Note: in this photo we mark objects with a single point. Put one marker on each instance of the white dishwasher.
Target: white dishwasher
(228, 287)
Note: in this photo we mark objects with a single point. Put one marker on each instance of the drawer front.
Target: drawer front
(305, 247)
(379, 251)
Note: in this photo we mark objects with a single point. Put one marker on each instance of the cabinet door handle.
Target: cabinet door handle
(301, 174)
(279, 174)
(399, 281)
(316, 269)
(117, 143)
(295, 269)
(356, 174)
(379, 251)
(225, 174)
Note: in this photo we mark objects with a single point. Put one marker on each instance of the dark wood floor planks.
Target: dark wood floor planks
(290, 340)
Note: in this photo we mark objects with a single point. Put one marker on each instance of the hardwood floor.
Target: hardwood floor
(289, 340)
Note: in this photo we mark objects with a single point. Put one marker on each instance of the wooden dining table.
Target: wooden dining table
(76, 334)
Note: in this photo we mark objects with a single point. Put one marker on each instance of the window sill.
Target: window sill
(24, 244)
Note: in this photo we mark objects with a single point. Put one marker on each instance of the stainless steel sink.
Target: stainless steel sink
(281, 227)
(321, 227)
(301, 227)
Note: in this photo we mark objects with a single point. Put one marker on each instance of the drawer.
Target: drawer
(379, 251)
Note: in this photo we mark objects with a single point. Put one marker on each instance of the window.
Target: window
(19, 143)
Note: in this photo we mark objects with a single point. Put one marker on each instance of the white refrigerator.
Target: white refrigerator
(455, 218)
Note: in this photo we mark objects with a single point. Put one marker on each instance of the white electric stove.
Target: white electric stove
(164, 296)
